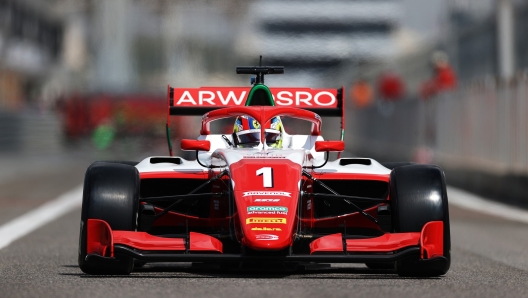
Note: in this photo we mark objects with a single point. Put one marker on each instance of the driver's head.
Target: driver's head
(246, 132)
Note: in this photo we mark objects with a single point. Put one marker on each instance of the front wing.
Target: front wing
(104, 245)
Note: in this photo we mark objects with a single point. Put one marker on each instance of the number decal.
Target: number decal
(267, 174)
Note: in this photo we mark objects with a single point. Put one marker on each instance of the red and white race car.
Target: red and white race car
(262, 205)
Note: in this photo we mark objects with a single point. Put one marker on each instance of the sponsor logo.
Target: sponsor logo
(207, 97)
(266, 229)
(257, 155)
(265, 220)
(267, 210)
(305, 98)
(309, 205)
(267, 237)
(234, 96)
(216, 204)
(267, 193)
(267, 200)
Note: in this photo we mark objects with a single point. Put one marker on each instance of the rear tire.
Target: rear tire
(396, 164)
(123, 162)
(111, 192)
(418, 195)
(380, 266)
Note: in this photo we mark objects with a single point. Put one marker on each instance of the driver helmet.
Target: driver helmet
(246, 132)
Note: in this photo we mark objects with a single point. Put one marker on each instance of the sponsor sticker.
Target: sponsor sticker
(265, 220)
(234, 96)
(266, 229)
(268, 156)
(216, 204)
(267, 210)
(267, 200)
(267, 193)
(267, 237)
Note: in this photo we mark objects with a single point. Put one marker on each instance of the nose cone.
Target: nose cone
(268, 233)
(266, 189)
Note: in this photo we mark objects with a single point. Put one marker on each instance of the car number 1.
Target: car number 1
(267, 176)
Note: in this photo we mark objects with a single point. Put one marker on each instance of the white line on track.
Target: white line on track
(27, 223)
(473, 202)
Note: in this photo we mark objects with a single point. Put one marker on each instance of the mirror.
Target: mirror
(329, 146)
(198, 145)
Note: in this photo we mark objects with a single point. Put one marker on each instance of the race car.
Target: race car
(247, 206)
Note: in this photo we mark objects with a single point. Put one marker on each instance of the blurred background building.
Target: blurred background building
(440, 81)
(312, 38)
(30, 47)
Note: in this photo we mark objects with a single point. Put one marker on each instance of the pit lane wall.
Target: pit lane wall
(478, 134)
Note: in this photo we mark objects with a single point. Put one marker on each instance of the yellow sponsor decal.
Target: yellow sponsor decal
(265, 220)
(266, 229)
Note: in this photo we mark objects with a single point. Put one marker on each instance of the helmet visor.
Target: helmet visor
(248, 138)
(251, 138)
(272, 136)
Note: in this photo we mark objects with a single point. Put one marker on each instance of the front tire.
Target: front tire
(111, 192)
(418, 195)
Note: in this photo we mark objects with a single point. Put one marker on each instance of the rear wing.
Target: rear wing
(198, 101)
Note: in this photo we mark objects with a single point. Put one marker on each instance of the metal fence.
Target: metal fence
(486, 127)
(482, 126)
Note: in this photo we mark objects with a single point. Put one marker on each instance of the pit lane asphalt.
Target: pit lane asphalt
(489, 259)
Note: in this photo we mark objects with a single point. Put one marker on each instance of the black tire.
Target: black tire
(418, 195)
(123, 162)
(396, 164)
(111, 192)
